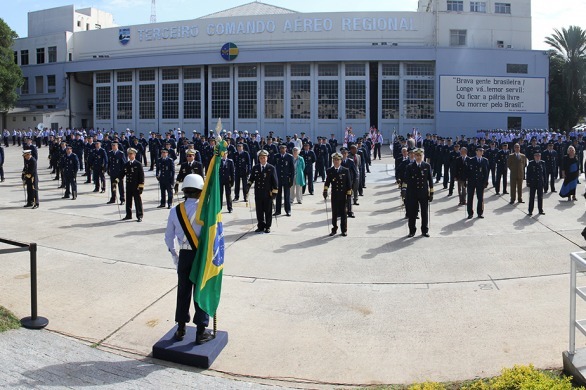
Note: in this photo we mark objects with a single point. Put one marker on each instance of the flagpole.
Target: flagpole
(215, 325)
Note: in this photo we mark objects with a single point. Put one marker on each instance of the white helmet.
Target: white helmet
(192, 181)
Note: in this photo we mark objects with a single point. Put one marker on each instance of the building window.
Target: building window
(517, 68)
(274, 70)
(39, 84)
(24, 57)
(170, 98)
(170, 74)
(103, 78)
(14, 119)
(52, 53)
(478, 6)
(246, 71)
(419, 69)
(419, 99)
(146, 101)
(391, 69)
(457, 37)
(24, 118)
(192, 100)
(390, 99)
(51, 83)
(124, 76)
(356, 99)
(220, 72)
(274, 99)
(70, 56)
(124, 102)
(300, 70)
(191, 73)
(456, 5)
(16, 57)
(79, 23)
(355, 70)
(327, 70)
(41, 55)
(247, 103)
(220, 98)
(50, 106)
(300, 99)
(146, 75)
(103, 103)
(502, 8)
(327, 99)
(24, 88)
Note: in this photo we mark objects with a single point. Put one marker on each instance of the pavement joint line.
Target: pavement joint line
(493, 282)
(135, 316)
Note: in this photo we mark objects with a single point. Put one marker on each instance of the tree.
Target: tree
(569, 57)
(10, 73)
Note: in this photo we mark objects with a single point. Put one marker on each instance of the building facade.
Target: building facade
(452, 67)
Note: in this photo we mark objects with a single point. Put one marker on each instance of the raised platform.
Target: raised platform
(186, 352)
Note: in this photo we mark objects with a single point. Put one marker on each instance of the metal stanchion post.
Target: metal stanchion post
(34, 322)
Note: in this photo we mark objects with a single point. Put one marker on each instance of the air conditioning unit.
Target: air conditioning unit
(500, 44)
(509, 47)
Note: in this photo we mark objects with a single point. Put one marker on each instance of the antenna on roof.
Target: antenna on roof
(153, 12)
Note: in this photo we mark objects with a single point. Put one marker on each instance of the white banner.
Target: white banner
(492, 94)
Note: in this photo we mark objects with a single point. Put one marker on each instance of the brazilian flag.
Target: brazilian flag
(208, 267)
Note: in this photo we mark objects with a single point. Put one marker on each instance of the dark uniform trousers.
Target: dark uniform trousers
(185, 289)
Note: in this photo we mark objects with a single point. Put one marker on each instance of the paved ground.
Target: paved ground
(373, 307)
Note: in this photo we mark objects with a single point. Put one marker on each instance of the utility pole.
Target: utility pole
(153, 12)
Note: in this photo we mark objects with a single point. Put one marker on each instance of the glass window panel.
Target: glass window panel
(146, 101)
(274, 70)
(517, 68)
(419, 99)
(246, 71)
(41, 55)
(391, 69)
(170, 99)
(300, 70)
(502, 8)
(102, 77)
(39, 84)
(300, 99)
(103, 103)
(420, 69)
(390, 99)
(478, 6)
(355, 99)
(191, 73)
(247, 102)
(274, 99)
(457, 37)
(124, 76)
(220, 72)
(192, 100)
(24, 57)
(327, 99)
(456, 5)
(51, 83)
(24, 88)
(327, 70)
(124, 102)
(355, 70)
(170, 74)
(146, 75)
(220, 99)
(53, 54)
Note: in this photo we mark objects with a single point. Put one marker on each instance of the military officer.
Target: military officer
(191, 166)
(285, 166)
(99, 163)
(242, 170)
(478, 172)
(154, 149)
(309, 156)
(1, 164)
(550, 157)
(348, 163)
(536, 181)
(501, 168)
(30, 179)
(134, 185)
(417, 186)
(116, 162)
(165, 174)
(89, 150)
(227, 174)
(264, 177)
(338, 177)
(70, 168)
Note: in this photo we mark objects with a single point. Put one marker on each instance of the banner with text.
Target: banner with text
(492, 94)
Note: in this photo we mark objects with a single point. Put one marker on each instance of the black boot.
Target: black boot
(180, 332)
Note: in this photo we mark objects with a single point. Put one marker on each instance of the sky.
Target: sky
(546, 14)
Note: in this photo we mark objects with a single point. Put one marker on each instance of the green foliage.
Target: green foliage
(10, 73)
(8, 320)
(427, 386)
(567, 76)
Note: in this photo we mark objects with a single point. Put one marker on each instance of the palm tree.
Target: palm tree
(570, 47)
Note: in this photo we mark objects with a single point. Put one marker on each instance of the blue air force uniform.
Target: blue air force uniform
(70, 163)
(309, 157)
(478, 172)
(242, 170)
(418, 187)
(116, 162)
(227, 174)
(99, 163)
(265, 188)
(166, 176)
(550, 157)
(536, 181)
(339, 181)
(285, 173)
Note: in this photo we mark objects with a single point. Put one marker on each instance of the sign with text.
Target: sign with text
(492, 94)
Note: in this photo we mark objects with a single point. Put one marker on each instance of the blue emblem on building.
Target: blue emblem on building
(124, 35)
(229, 51)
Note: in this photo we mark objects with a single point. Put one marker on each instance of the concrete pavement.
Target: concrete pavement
(302, 307)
